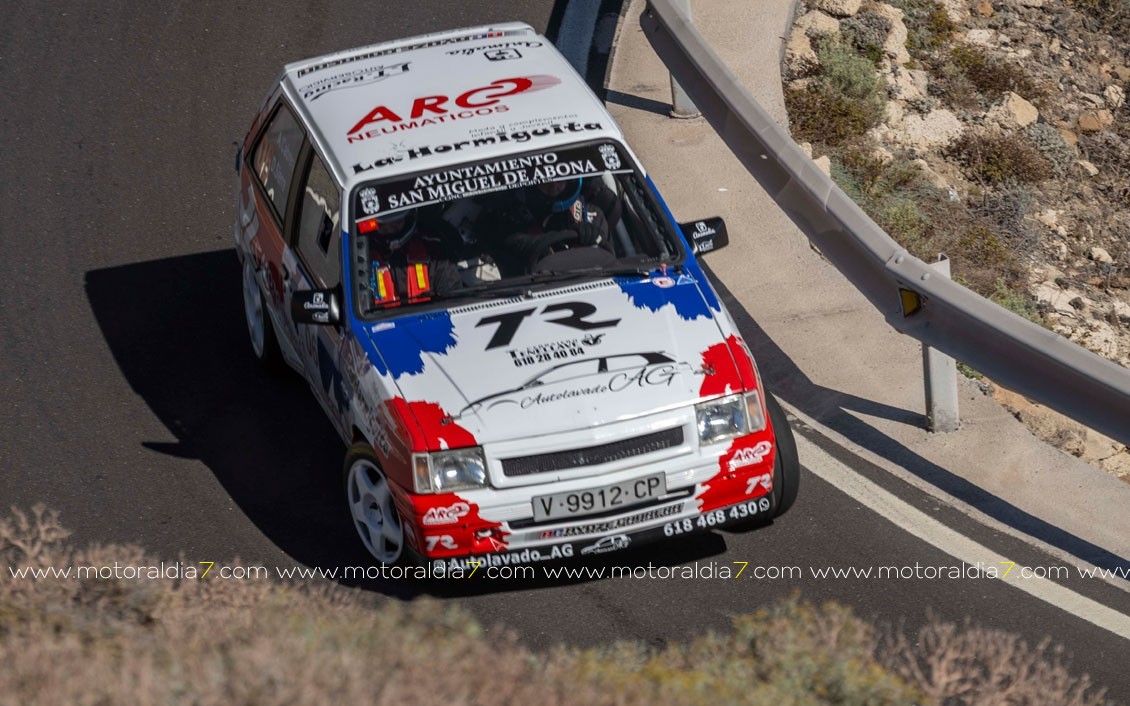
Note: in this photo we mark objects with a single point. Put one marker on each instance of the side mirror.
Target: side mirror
(706, 235)
(315, 306)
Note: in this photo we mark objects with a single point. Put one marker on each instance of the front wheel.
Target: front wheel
(373, 508)
(786, 470)
(259, 328)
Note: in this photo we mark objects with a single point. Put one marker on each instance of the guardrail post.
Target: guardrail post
(681, 104)
(940, 372)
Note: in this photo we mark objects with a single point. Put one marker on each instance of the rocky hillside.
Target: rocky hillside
(997, 132)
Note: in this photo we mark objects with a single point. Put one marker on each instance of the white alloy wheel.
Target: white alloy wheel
(253, 310)
(374, 512)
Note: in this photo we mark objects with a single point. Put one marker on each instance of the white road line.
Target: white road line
(929, 530)
(574, 38)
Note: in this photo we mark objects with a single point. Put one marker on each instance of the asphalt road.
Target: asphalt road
(132, 404)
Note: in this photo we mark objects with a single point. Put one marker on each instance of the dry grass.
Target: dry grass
(205, 642)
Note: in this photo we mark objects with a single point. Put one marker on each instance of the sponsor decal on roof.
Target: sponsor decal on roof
(477, 139)
(432, 110)
(494, 47)
(350, 79)
(342, 60)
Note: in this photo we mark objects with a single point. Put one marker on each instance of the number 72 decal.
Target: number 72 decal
(578, 318)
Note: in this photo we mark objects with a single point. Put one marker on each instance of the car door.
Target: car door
(315, 260)
(266, 204)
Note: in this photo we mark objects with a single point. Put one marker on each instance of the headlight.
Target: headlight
(727, 417)
(445, 471)
(721, 419)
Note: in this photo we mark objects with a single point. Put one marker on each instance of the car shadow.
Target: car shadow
(834, 408)
(183, 348)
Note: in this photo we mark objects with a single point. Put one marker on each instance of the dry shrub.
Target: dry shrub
(210, 642)
(993, 157)
(928, 25)
(845, 99)
(821, 115)
(976, 666)
(991, 75)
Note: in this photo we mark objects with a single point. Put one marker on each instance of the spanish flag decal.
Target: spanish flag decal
(384, 289)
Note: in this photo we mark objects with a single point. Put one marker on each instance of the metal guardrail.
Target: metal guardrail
(1009, 349)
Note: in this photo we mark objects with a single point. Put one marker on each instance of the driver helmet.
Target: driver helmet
(394, 229)
(559, 195)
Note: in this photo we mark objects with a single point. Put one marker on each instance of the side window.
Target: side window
(275, 157)
(319, 233)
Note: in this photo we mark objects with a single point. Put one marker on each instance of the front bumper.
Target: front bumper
(652, 524)
(486, 528)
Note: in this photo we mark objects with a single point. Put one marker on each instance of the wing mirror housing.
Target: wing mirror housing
(706, 235)
(321, 307)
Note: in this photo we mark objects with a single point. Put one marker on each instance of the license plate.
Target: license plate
(597, 500)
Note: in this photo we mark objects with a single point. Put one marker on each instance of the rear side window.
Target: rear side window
(275, 157)
(319, 232)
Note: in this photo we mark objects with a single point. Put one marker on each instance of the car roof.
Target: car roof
(441, 99)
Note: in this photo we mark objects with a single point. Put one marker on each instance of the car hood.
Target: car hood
(560, 360)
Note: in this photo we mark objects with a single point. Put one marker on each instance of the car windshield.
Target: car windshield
(501, 226)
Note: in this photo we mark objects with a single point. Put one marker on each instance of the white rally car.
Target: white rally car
(449, 238)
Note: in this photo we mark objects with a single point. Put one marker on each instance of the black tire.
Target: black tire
(256, 315)
(366, 502)
(786, 468)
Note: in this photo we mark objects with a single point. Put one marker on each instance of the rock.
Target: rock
(893, 114)
(1030, 3)
(806, 147)
(1087, 168)
(1122, 72)
(1078, 304)
(1069, 137)
(985, 8)
(936, 180)
(883, 155)
(825, 164)
(1095, 120)
(1013, 112)
(1117, 465)
(908, 85)
(1094, 99)
(895, 45)
(936, 129)
(1059, 300)
(981, 37)
(839, 8)
(1121, 310)
(1050, 218)
(1100, 255)
(1115, 96)
(956, 11)
(1060, 251)
(800, 57)
(1101, 339)
(817, 24)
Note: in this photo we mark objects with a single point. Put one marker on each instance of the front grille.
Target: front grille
(593, 455)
